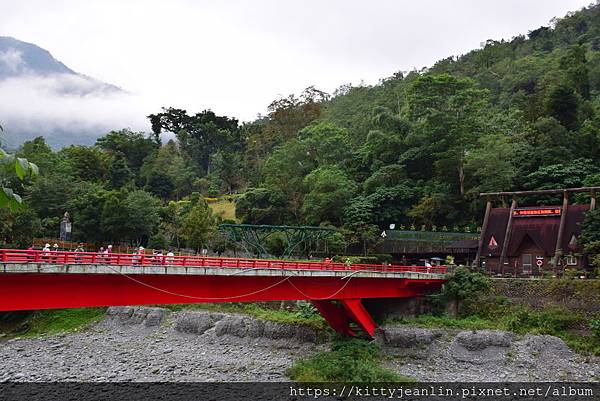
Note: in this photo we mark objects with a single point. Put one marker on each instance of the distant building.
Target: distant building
(414, 247)
(528, 241)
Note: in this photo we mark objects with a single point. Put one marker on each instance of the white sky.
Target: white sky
(236, 56)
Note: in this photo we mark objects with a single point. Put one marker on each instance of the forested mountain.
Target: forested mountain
(34, 86)
(414, 150)
(20, 59)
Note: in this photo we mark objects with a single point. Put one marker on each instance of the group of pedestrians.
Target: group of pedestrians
(103, 255)
(158, 257)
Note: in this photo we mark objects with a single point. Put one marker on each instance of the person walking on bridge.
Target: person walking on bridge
(108, 254)
(78, 250)
(54, 253)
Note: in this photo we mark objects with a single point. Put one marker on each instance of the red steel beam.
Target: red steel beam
(29, 291)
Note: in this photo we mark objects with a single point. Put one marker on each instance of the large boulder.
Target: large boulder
(481, 346)
(148, 316)
(197, 322)
(408, 341)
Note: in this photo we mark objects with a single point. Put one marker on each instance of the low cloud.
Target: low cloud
(12, 59)
(67, 108)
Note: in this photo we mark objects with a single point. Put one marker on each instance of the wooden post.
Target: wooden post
(486, 218)
(593, 200)
(561, 229)
(508, 232)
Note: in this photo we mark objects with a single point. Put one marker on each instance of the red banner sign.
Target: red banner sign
(541, 212)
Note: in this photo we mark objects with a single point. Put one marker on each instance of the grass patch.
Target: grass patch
(257, 311)
(63, 320)
(518, 319)
(350, 360)
(224, 208)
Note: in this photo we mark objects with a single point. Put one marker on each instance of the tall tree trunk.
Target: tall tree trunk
(461, 178)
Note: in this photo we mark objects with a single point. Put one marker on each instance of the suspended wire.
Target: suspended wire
(201, 298)
(324, 298)
(349, 277)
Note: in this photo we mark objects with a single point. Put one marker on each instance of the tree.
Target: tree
(142, 211)
(200, 135)
(590, 228)
(38, 152)
(133, 146)
(261, 206)
(563, 104)
(159, 183)
(86, 163)
(114, 218)
(49, 194)
(19, 227)
(286, 117)
(490, 166)
(329, 191)
(198, 225)
(446, 113)
(358, 218)
(570, 174)
(381, 149)
(119, 174)
(172, 220)
(464, 285)
(23, 169)
(86, 209)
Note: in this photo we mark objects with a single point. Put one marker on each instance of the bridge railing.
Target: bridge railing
(127, 259)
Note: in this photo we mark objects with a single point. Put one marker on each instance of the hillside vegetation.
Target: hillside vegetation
(415, 150)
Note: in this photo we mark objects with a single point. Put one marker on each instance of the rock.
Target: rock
(306, 334)
(481, 339)
(255, 328)
(547, 347)
(407, 341)
(275, 331)
(128, 315)
(407, 337)
(481, 347)
(155, 317)
(196, 322)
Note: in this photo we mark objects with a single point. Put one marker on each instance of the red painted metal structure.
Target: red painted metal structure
(336, 291)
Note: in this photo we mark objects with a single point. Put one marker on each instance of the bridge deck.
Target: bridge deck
(50, 268)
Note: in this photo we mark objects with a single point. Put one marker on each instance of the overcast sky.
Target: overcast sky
(236, 56)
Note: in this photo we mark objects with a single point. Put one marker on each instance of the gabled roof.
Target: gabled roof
(542, 231)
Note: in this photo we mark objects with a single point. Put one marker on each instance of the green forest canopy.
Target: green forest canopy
(415, 149)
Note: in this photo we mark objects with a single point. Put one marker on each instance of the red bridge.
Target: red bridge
(46, 280)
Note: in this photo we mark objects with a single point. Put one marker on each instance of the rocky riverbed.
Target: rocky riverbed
(153, 344)
(484, 356)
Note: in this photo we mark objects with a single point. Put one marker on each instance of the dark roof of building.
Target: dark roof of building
(541, 231)
(464, 244)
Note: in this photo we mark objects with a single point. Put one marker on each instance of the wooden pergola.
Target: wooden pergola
(515, 195)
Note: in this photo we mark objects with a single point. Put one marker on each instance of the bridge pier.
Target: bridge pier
(340, 314)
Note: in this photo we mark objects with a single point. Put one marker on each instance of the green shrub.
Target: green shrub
(549, 321)
(350, 360)
(306, 310)
(595, 328)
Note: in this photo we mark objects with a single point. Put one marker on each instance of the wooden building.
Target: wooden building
(414, 247)
(528, 241)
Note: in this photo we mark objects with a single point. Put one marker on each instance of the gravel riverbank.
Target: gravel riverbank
(153, 344)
